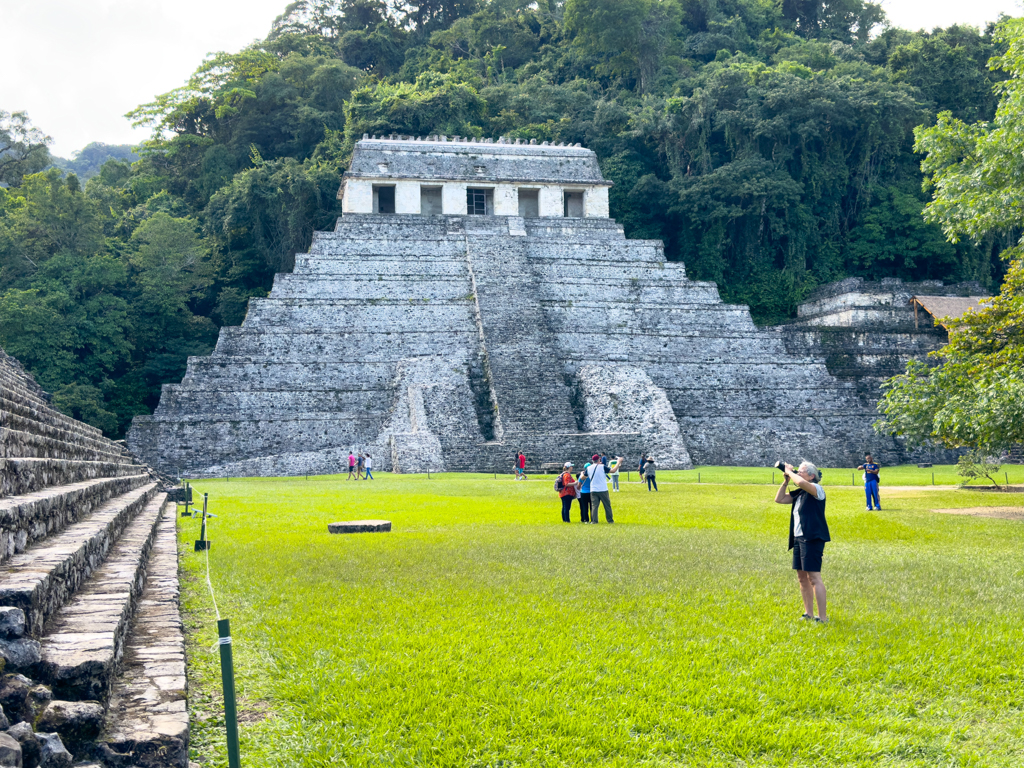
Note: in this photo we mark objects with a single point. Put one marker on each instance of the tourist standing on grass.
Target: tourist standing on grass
(640, 468)
(650, 471)
(583, 479)
(871, 480)
(614, 473)
(566, 487)
(599, 490)
(808, 532)
(369, 467)
(351, 464)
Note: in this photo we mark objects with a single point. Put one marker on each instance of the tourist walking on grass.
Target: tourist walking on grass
(369, 466)
(351, 464)
(583, 479)
(640, 468)
(520, 466)
(650, 471)
(566, 487)
(599, 490)
(871, 481)
(614, 473)
(808, 532)
(359, 467)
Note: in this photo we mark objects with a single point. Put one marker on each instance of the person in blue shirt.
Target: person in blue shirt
(871, 481)
(584, 494)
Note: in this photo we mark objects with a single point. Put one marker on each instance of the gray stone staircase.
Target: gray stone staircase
(88, 557)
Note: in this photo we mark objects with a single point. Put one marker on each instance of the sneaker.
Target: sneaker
(820, 621)
(806, 617)
(869, 509)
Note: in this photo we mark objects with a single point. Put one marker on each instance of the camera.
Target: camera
(780, 465)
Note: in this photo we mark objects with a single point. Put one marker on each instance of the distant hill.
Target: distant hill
(87, 163)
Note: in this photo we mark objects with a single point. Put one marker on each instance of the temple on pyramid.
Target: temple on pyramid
(475, 299)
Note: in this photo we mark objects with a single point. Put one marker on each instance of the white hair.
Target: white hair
(811, 469)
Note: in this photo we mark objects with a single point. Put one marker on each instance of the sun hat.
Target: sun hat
(567, 464)
(595, 457)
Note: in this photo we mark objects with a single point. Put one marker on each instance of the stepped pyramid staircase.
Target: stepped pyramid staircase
(89, 626)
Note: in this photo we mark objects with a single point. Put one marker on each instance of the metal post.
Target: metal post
(203, 543)
(853, 480)
(773, 478)
(227, 673)
(698, 477)
(933, 478)
(1007, 476)
(188, 500)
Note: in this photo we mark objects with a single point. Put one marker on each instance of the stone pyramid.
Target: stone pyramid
(473, 300)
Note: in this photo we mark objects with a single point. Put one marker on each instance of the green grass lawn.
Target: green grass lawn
(484, 632)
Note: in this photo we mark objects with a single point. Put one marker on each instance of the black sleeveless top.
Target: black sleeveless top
(812, 517)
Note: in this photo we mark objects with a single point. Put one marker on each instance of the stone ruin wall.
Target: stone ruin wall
(449, 342)
(866, 332)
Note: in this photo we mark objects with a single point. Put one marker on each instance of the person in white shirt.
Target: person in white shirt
(368, 466)
(599, 489)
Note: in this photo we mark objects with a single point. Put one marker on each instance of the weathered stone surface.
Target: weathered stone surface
(75, 721)
(32, 517)
(10, 751)
(12, 622)
(19, 654)
(42, 579)
(39, 697)
(360, 526)
(52, 752)
(74, 546)
(26, 737)
(147, 720)
(14, 690)
(84, 639)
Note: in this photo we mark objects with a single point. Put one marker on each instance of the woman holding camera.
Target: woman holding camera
(808, 532)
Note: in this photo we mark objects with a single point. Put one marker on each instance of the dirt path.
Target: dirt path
(1004, 513)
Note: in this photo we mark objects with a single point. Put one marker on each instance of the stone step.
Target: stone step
(299, 314)
(46, 415)
(84, 640)
(355, 249)
(42, 578)
(22, 390)
(23, 476)
(381, 269)
(279, 343)
(365, 291)
(341, 371)
(27, 519)
(32, 426)
(211, 399)
(16, 443)
(147, 716)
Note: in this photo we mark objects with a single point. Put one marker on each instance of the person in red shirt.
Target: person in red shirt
(568, 492)
(520, 466)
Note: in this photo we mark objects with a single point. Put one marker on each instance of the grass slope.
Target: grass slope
(484, 632)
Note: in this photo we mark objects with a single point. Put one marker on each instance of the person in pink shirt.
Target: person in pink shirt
(351, 464)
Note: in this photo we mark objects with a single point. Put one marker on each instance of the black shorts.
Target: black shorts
(807, 555)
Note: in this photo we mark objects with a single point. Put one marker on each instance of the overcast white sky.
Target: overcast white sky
(77, 66)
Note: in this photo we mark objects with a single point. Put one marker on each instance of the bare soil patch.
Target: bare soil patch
(1004, 513)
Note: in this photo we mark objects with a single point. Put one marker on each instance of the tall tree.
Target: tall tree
(23, 147)
(974, 396)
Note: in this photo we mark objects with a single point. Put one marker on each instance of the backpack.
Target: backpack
(560, 483)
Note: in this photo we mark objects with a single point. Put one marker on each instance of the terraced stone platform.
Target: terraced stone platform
(88, 568)
(451, 341)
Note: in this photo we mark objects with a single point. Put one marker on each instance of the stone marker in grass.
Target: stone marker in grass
(360, 526)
